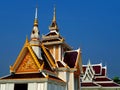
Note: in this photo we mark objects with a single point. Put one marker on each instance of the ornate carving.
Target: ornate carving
(27, 64)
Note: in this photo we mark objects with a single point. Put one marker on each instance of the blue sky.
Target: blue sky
(92, 25)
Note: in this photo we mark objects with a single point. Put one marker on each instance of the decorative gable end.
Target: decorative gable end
(27, 61)
(27, 64)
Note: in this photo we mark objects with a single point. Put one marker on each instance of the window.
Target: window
(20, 87)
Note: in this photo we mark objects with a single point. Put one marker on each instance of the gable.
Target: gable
(26, 61)
(27, 64)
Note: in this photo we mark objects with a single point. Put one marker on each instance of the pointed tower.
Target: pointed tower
(54, 41)
(53, 26)
(35, 37)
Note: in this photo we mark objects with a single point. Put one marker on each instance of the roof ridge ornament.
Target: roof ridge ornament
(36, 17)
(53, 25)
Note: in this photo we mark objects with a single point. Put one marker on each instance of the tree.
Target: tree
(116, 79)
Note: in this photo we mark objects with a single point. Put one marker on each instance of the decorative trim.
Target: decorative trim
(50, 59)
(54, 51)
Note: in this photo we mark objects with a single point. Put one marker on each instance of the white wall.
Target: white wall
(37, 86)
(71, 81)
(53, 86)
(2, 87)
(32, 86)
(7, 86)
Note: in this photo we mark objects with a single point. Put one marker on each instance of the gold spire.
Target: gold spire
(53, 25)
(36, 17)
(54, 16)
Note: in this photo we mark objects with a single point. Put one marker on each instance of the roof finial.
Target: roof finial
(53, 25)
(35, 32)
(36, 17)
(54, 17)
(36, 13)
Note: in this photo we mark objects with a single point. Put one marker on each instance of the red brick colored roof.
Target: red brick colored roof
(30, 76)
(101, 79)
(24, 76)
(88, 84)
(84, 69)
(109, 84)
(103, 71)
(70, 58)
(97, 69)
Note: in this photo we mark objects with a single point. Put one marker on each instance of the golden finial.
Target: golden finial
(53, 25)
(27, 41)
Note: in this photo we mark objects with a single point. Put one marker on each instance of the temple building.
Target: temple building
(95, 77)
(45, 63)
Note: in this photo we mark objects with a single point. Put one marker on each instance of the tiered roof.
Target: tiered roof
(99, 78)
(35, 61)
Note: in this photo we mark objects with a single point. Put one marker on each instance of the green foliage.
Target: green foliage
(116, 79)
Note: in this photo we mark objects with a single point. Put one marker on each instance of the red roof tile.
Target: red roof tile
(70, 58)
(97, 69)
(30, 76)
(24, 76)
(103, 71)
(84, 69)
(109, 84)
(88, 84)
(102, 79)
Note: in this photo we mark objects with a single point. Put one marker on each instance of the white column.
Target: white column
(32, 86)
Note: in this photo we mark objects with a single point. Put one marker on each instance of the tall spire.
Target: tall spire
(36, 17)
(53, 25)
(35, 32)
(54, 16)
(35, 37)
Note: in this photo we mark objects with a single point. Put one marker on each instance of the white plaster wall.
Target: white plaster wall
(32, 86)
(62, 75)
(53, 86)
(71, 81)
(2, 87)
(65, 76)
(9, 86)
(40, 86)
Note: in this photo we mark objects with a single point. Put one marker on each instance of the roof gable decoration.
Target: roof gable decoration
(25, 59)
(78, 63)
(89, 73)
